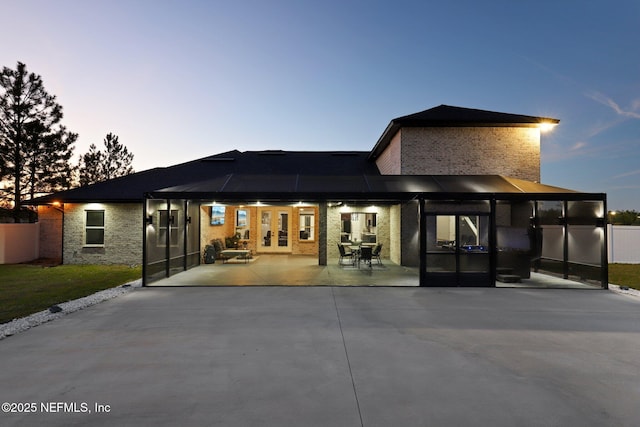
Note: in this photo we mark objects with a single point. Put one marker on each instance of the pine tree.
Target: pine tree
(35, 148)
(90, 166)
(117, 158)
(113, 162)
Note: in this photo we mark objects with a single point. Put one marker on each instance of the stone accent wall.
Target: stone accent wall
(509, 151)
(383, 228)
(50, 219)
(322, 234)
(122, 234)
(395, 251)
(333, 232)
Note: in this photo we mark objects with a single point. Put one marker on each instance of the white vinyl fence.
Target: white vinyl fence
(624, 244)
(19, 242)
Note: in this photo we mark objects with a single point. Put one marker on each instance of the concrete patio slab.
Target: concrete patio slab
(338, 356)
(299, 270)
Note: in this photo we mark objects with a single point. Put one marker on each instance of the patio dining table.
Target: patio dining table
(356, 250)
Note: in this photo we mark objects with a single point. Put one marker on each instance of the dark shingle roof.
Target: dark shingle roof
(270, 164)
(294, 174)
(448, 116)
(246, 187)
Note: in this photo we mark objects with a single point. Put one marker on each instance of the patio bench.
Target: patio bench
(228, 254)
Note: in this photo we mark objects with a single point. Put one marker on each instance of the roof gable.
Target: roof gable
(450, 116)
(446, 115)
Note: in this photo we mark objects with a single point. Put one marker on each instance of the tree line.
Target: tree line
(36, 149)
(625, 217)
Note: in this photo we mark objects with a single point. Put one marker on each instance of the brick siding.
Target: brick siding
(122, 234)
(50, 219)
(509, 151)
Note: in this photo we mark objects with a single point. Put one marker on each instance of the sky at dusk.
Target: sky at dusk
(180, 80)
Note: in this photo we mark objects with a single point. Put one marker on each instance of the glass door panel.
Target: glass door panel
(176, 230)
(283, 229)
(156, 257)
(474, 243)
(275, 223)
(458, 250)
(265, 229)
(441, 245)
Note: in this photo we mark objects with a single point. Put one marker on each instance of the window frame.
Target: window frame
(243, 225)
(87, 227)
(170, 227)
(310, 229)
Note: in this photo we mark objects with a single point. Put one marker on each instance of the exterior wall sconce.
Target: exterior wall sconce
(600, 222)
(188, 220)
(149, 219)
(562, 220)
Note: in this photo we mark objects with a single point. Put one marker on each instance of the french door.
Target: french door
(275, 229)
(458, 252)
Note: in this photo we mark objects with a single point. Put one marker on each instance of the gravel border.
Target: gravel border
(626, 291)
(18, 325)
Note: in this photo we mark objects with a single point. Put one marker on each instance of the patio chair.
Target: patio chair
(376, 253)
(344, 254)
(365, 255)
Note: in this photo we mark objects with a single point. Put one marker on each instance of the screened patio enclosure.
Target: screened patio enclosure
(456, 230)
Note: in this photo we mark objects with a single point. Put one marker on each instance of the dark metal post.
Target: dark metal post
(145, 208)
(604, 261)
(185, 248)
(422, 247)
(493, 245)
(565, 230)
(322, 233)
(167, 252)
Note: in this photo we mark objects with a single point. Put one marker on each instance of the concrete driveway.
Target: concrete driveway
(331, 356)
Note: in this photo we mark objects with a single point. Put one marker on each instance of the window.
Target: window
(94, 228)
(242, 223)
(163, 221)
(358, 227)
(307, 222)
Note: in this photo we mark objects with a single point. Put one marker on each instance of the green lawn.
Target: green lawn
(27, 289)
(625, 275)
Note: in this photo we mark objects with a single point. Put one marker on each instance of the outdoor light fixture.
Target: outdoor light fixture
(149, 219)
(546, 126)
